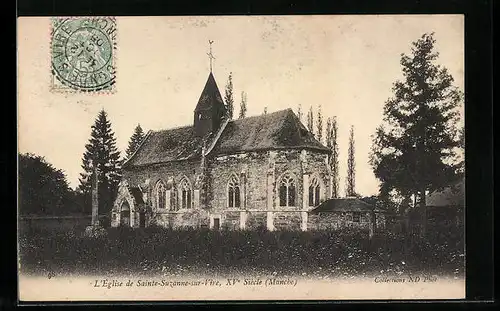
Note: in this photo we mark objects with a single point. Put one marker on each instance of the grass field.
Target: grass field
(160, 251)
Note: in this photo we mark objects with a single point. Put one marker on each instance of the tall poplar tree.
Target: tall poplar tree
(228, 97)
(319, 125)
(413, 147)
(332, 144)
(243, 105)
(310, 120)
(135, 140)
(328, 132)
(101, 151)
(351, 167)
(299, 112)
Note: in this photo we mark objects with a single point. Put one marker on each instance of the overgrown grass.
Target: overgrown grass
(163, 251)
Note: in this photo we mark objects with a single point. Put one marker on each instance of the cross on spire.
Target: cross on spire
(210, 55)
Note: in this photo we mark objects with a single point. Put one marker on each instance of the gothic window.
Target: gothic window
(233, 192)
(161, 195)
(287, 191)
(185, 188)
(314, 192)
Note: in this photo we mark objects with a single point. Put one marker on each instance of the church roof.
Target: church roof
(278, 130)
(210, 96)
(273, 131)
(167, 146)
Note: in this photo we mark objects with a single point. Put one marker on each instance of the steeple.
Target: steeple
(210, 110)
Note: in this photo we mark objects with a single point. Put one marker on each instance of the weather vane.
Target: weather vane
(210, 55)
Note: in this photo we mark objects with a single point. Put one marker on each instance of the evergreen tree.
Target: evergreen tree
(299, 112)
(228, 97)
(243, 105)
(412, 148)
(319, 125)
(310, 120)
(135, 140)
(351, 167)
(101, 151)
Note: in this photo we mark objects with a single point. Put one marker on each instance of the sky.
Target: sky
(346, 64)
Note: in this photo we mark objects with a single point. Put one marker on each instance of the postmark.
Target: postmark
(83, 54)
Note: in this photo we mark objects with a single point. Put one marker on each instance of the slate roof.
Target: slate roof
(453, 195)
(278, 130)
(136, 194)
(166, 146)
(345, 205)
(210, 96)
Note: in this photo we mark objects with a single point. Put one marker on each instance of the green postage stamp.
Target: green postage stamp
(83, 54)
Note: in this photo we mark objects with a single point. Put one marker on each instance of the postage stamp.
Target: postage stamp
(82, 54)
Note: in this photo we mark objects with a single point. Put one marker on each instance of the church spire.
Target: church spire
(210, 55)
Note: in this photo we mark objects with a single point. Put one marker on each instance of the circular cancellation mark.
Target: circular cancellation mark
(83, 53)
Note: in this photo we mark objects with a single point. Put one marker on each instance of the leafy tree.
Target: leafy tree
(319, 126)
(243, 105)
(351, 167)
(299, 112)
(228, 97)
(413, 147)
(331, 143)
(135, 140)
(43, 189)
(310, 120)
(461, 158)
(101, 151)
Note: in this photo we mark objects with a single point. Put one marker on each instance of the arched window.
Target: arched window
(233, 192)
(161, 195)
(287, 191)
(314, 192)
(185, 193)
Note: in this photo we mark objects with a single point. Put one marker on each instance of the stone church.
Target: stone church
(262, 171)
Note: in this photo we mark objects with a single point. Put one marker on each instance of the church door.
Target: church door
(216, 223)
(142, 219)
(125, 215)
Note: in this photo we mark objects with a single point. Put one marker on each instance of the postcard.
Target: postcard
(204, 158)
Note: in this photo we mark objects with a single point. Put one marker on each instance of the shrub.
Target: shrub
(157, 249)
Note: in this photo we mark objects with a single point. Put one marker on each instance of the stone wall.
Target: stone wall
(256, 220)
(76, 223)
(250, 169)
(195, 219)
(337, 220)
(148, 176)
(258, 175)
(287, 221)
(231, 221)
(380, 221)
